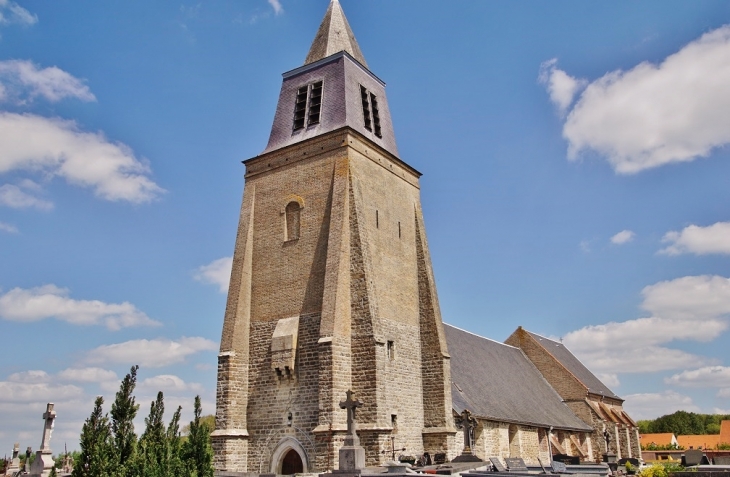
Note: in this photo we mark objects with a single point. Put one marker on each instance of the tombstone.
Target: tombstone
(43, 463)
(692, 457)
(515, 464)
(567, 459)
(497, 463)
(15, 461)
(439, 458)
(352, 454)
(468, 423)
(721, 460)
(558, 467)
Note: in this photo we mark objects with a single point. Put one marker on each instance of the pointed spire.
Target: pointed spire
(334, 35)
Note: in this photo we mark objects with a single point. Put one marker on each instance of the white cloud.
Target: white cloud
(276, 5)
(609, 379)
(652, 115)
(37, 392)
(33, 377)
(50, 301)
(699, 240)
(695, 298)
(707, 377)
(724, 393)
(56, 147)
(9, 228)
(217, 272)
(625, 236)
(17, 198)
(653, 405)
(22, 78)
(688, 308)
(150, 353)
(561, 86)
(11, 12)
(168, 383)
(88, 375)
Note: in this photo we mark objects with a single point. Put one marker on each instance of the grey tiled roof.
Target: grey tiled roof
(334, 35)
(497, 382)
(573, 364)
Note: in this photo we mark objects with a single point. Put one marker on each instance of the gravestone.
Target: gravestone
(43, 463)
(692, 457)
(15, 461)
(721, 460)
(498, 466)
(352, 454)
(468, 423)
(559, 467)
(515, 464)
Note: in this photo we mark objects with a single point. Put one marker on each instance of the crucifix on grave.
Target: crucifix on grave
(352, 455)
(468, 423)
(351, 405)
(43, 463)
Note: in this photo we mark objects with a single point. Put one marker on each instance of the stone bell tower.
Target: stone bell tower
(332, 286)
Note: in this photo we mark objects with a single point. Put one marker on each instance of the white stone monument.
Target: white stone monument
(43, 463)
(15, 462)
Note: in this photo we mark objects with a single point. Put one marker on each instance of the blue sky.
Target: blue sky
(576, 182)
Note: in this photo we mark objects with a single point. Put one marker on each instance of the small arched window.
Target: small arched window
(292, 216)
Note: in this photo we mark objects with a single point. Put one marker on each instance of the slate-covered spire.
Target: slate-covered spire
(334, 35)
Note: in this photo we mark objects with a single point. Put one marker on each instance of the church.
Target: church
(332, 289)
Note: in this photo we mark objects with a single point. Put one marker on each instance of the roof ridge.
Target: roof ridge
(480, 336)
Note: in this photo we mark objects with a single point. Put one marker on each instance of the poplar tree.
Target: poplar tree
(197, 451)
(97, 454)
(153, 445)
(124, 410)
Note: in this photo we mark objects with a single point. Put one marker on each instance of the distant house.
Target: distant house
(588, 397)
(707, 441)
(660, 440)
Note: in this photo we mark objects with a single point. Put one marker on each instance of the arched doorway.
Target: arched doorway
(292, 463)
(289, 458)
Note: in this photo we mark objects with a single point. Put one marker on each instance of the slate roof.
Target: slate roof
(334, 35)
(497, 382)
(573, 365)
(335, 59)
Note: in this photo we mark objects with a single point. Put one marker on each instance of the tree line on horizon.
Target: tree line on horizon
(110, 447)
(683, 423)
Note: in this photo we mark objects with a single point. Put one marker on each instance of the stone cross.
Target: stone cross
(350, 405)
(467, 422)
(49, 416)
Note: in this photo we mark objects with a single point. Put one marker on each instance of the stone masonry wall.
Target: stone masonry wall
(272, 397)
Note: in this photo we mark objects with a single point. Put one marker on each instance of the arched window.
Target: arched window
(292, 216)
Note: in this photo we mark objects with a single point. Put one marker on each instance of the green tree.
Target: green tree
(175, 465)
(153, 445)
(53, 473)
(96, 457)
(197, 451)
(124, 410)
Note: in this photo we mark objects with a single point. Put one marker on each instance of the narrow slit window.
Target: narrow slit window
(293, 218)
(366, 108)
(300, 108)
(315, 103)
(391, 350)
(376, 115)
(399, 230)
(377, 220)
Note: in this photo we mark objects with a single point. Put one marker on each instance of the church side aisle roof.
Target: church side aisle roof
(497, 382)
(334, 35)
(573, 364)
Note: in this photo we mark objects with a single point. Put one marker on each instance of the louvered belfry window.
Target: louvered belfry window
(308, 105)
(370, 112)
